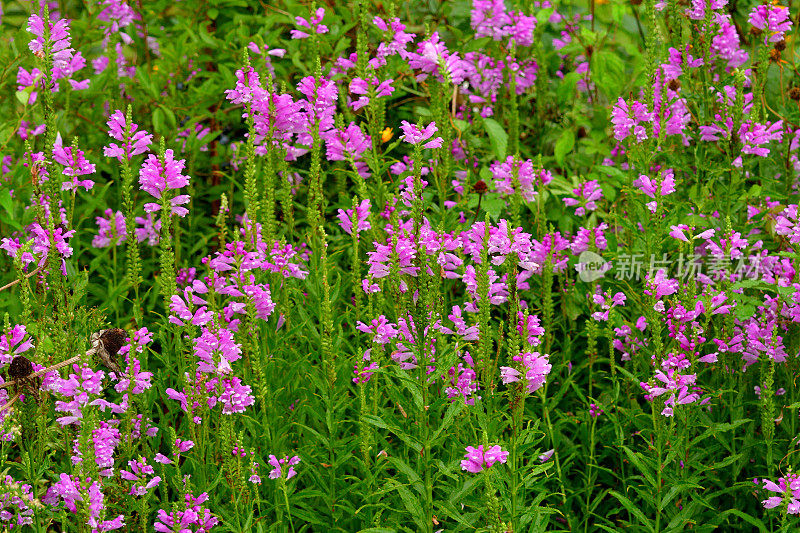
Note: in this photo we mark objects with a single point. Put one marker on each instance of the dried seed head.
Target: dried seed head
(20, 367)
(113, 339)
(780, 46)
(480, 187)
(674, 85)
(794, 94)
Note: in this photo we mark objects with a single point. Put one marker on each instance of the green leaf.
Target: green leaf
(413, 506)
(158, 120)
(744, 516)
(402, 435)
(494, 205)
(170, 117)
(639, 462)
(24, 96)
(564, 145)
(452, 410)
(497, 136)
(633, 509)
(608, 72)
(6, 203)
(566, 89)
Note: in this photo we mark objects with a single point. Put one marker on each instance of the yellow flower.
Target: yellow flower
(386, 135)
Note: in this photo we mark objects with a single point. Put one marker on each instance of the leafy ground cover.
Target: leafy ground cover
(399, 266)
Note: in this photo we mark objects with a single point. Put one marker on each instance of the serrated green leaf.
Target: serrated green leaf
(633, 509)
(564, 145)
(608, 72)
(497, 137)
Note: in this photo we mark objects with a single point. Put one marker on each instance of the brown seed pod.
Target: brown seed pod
(20, 367)
(794, 94)
(780, 46)
(674, 85)
(105, 345)
(480, 187)
(113, 339)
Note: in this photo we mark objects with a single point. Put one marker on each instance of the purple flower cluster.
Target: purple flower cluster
(141, 475)
(75, 492)
(17, 503)
(135, 141)
(159, 175)
(588, 194)
(362, 213)
(76, 165)
(194, 518)
(413, 135)
(772, 19)
(489, 18)
(313, 25)
(463, 381)
(535, 367)
(787, 488)
(528, 178)
(283, 467)
(111, 230)
(477, 460)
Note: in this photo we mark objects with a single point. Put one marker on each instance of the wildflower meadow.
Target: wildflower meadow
(399, 266)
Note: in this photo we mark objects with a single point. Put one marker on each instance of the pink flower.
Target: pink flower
(362, 213)
(476, 459)
(279, 465)
(59, 40)
(111, 230)
(135, 143)
(789, 485)
(313, 24)
(773, 19)
(75, 163)
(413, 135)
(587, 195)
(473, 459)
(157, 176)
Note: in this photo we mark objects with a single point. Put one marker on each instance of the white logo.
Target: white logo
(591, 266)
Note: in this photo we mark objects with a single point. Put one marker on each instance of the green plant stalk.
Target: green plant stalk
(517, 413)
(553, 441)
(590, 474)
(287, 199)
(51, 186)
(167, 259)
(516, 394)
(268, 208)
(250, 182)
(591, 351)
(513, 111)
(285, 491)
(659, 434)
(133, 258)
(484, 308)
(768, 405)
(24, 287)
(355, 261)
(329, 365)
(420, 316)
(547, 302)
